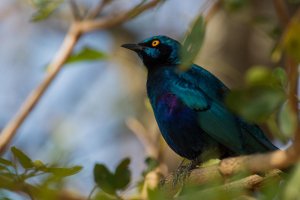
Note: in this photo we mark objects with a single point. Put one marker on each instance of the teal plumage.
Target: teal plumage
(189, 106)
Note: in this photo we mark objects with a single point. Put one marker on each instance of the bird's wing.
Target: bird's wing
(213, 117)
(205, 80)
(191, 95)
(258, 137)
(218, 121)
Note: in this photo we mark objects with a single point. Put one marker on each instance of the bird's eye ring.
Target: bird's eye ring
(155, 43)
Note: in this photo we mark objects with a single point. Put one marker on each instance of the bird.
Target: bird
(189, 106)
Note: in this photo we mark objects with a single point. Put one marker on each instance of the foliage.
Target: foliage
(151, 164)
(291, 189)
(44, 9)
(86, 54)
(263, 93)
(234, 5)
(15, 174)
(192, 43)
(111, 182)
(291, 41)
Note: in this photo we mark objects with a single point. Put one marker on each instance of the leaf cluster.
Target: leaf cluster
(112, 182)
(15, 174)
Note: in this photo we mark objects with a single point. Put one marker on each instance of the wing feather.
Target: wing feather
(213, 117)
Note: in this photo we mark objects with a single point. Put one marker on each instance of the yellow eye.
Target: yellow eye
(155, 43)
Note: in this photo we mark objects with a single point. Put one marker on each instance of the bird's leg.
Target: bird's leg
(183, 171)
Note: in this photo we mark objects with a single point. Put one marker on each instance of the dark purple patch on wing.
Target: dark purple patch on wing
(170, 102)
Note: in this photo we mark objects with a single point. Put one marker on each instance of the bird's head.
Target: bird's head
(157, 51)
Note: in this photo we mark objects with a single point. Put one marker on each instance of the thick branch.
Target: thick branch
(248, 183)
(212, 11)
(202, 176)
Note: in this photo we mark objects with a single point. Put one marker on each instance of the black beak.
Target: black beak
(133, 47)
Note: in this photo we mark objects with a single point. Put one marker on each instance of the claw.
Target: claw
(183, 171)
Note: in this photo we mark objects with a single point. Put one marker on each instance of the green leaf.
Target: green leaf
(276, 54)
(62, 171)
(255, 104)
(258, 75)
(294, 1)
(2, 168)
(5, 162)
(273, 126)
(287, 120)
(122, 174)
(291, 190)
(38, 164)
(263, 76)
(151, 165)
(110, 182)
(234, 5)
(24, 160)
(104, 196)
(86, 54)
(7, 181)
(192, 43)
(281, 76)
(45, 9)
(156, 194)
(291, 40)
(104, 179)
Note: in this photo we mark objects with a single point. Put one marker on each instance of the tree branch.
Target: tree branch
(65, 50)
(204, 175)
(248, 183)
(113, 20)
(75, 10)
(282, 12)
(212, 11)
(143, 136)
(75, 31)
(94, 13)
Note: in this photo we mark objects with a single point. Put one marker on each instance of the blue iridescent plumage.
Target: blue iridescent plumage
(189, 106)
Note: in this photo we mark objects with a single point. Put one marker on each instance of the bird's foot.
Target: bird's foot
(183, 172)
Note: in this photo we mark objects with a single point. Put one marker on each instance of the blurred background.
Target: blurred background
(82, 117)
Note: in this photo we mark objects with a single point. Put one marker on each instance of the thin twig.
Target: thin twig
(92, 192)
(282, 12)
(110, 21)
(100, 6)
(143, 136)
(75, 10)
(153, 149)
